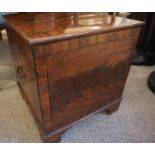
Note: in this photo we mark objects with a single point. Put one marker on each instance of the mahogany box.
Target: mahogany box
(70, 66)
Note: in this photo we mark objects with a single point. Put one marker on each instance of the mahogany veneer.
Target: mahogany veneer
(70, 65)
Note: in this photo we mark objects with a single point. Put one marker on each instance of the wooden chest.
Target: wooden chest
(70, 65)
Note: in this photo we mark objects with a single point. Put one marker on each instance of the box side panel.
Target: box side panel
(25, 71)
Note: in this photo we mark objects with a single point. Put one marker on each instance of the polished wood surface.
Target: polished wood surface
(76, 79)
(71, 65)
(25, 71)
(43, 27)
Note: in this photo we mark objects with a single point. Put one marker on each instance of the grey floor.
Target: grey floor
(134, 122)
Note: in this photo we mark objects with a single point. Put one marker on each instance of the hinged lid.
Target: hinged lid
(39, 28)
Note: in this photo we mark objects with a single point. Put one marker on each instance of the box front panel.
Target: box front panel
(86, 79)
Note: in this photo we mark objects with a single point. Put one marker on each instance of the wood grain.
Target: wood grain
(22, 57)
(70, 66)
(38, 28)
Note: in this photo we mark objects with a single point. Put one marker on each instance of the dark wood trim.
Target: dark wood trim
(42, 80)
(53, 39)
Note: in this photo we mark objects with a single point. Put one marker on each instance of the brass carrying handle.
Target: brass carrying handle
(20, 73)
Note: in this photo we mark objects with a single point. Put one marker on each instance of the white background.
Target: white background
(77, 5)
